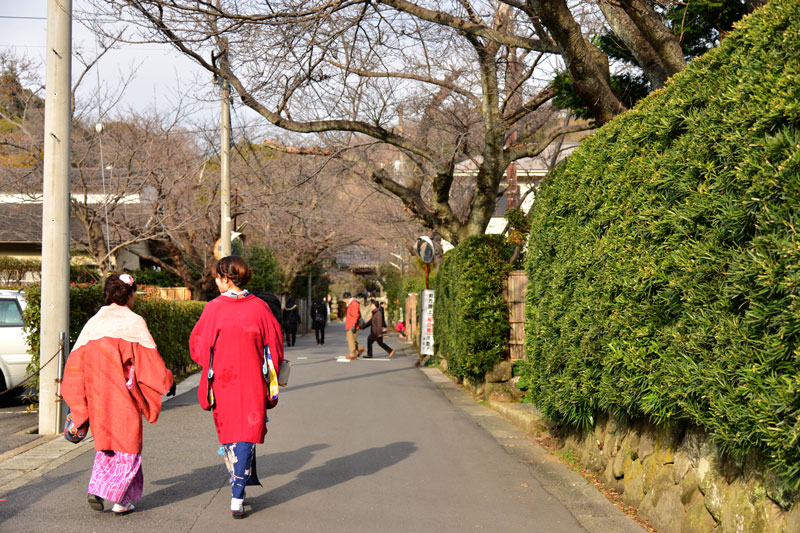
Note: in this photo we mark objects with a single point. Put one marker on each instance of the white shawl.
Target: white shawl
(116, 321)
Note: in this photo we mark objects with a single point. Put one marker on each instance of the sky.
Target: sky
(162, 75)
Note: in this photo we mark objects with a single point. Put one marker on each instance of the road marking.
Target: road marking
(343, 359)
(302, 357)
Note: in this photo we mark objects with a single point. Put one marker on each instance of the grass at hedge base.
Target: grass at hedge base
(169, 322)
(470, 312)
(664, 259)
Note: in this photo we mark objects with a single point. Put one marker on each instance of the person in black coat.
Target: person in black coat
(291, 318)
(319, 317)
(376, 331)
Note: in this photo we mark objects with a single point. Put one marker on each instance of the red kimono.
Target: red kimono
(99, 386)
(238, 329)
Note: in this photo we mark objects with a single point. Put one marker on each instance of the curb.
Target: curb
(512, 426)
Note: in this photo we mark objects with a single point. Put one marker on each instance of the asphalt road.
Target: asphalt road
(368, 445)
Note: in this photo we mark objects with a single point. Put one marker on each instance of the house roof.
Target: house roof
(528, 167)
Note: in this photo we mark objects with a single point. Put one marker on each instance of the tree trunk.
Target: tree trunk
(587, 65)
(644, 53)
(652, 27)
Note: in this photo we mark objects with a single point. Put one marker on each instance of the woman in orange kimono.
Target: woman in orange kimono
(113, 376)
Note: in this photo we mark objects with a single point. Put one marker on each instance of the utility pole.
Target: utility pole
(54, 327)
(308, 304)
(225, 157)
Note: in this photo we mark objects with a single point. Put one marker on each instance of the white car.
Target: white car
(14, 356)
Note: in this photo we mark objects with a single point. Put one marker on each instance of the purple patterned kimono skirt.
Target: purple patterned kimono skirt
(117, 476)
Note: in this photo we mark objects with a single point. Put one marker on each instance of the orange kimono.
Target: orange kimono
(113, 376)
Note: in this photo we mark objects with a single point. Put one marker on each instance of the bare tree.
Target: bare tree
(432, 86)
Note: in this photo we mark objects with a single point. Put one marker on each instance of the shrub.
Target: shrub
(470, 312)
(170, 322)
(266, 271)
(156, 278)
(664, 262)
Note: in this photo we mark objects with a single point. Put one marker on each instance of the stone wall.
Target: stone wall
(680, 482)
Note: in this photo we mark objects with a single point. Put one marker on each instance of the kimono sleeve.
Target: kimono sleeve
(153, 379)
(199, 345)
(73, 388)
(274, 337)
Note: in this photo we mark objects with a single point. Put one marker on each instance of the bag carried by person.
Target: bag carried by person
(72, 433)
(283, 376)
(362, 324)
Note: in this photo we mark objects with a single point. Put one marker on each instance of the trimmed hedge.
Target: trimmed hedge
(170, 322)
(664, 259)
(470, 312)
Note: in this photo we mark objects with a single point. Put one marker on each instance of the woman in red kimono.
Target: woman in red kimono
(113, 376)
(237, 325)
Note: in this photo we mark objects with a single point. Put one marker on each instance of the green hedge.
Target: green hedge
(470, 312)
(664, 260)
(170, 322)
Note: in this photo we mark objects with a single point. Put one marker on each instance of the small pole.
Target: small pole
(427, 273)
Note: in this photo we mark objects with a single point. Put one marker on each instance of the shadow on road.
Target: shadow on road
(340, 379)
(335, 472)
(201, 480)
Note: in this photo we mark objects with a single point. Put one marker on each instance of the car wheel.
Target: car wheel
(2, 382)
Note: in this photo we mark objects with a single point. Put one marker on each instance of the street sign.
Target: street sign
(426, 323)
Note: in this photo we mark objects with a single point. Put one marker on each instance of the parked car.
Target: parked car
(14, 356)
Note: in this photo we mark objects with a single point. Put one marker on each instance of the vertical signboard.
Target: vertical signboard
(426, 323)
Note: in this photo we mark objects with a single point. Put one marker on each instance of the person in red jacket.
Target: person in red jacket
(351, 325)
(238, 326)
(113, 376)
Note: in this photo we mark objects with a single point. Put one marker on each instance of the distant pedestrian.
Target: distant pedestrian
(351, 325)
(383, 316)
(113, 376)
(291, 318)
(400, 329)
(273, 302)
(376, 330)
(230, 341)
(319, 317)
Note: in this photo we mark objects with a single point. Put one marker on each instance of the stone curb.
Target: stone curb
(511, 425)
(30, 461)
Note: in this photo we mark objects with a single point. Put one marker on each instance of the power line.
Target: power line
(24, 18)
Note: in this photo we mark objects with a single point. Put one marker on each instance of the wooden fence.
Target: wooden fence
(168, 293)
(514, 291)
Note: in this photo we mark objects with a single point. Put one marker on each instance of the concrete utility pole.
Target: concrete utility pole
(225, 171)
(225, 159)
(55, 213)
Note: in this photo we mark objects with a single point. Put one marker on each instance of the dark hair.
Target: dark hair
(375, 303)
(347, 295)
(117, 291)
(235, 269)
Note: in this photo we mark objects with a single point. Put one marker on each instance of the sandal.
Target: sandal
(120, 510)
(95, 502)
